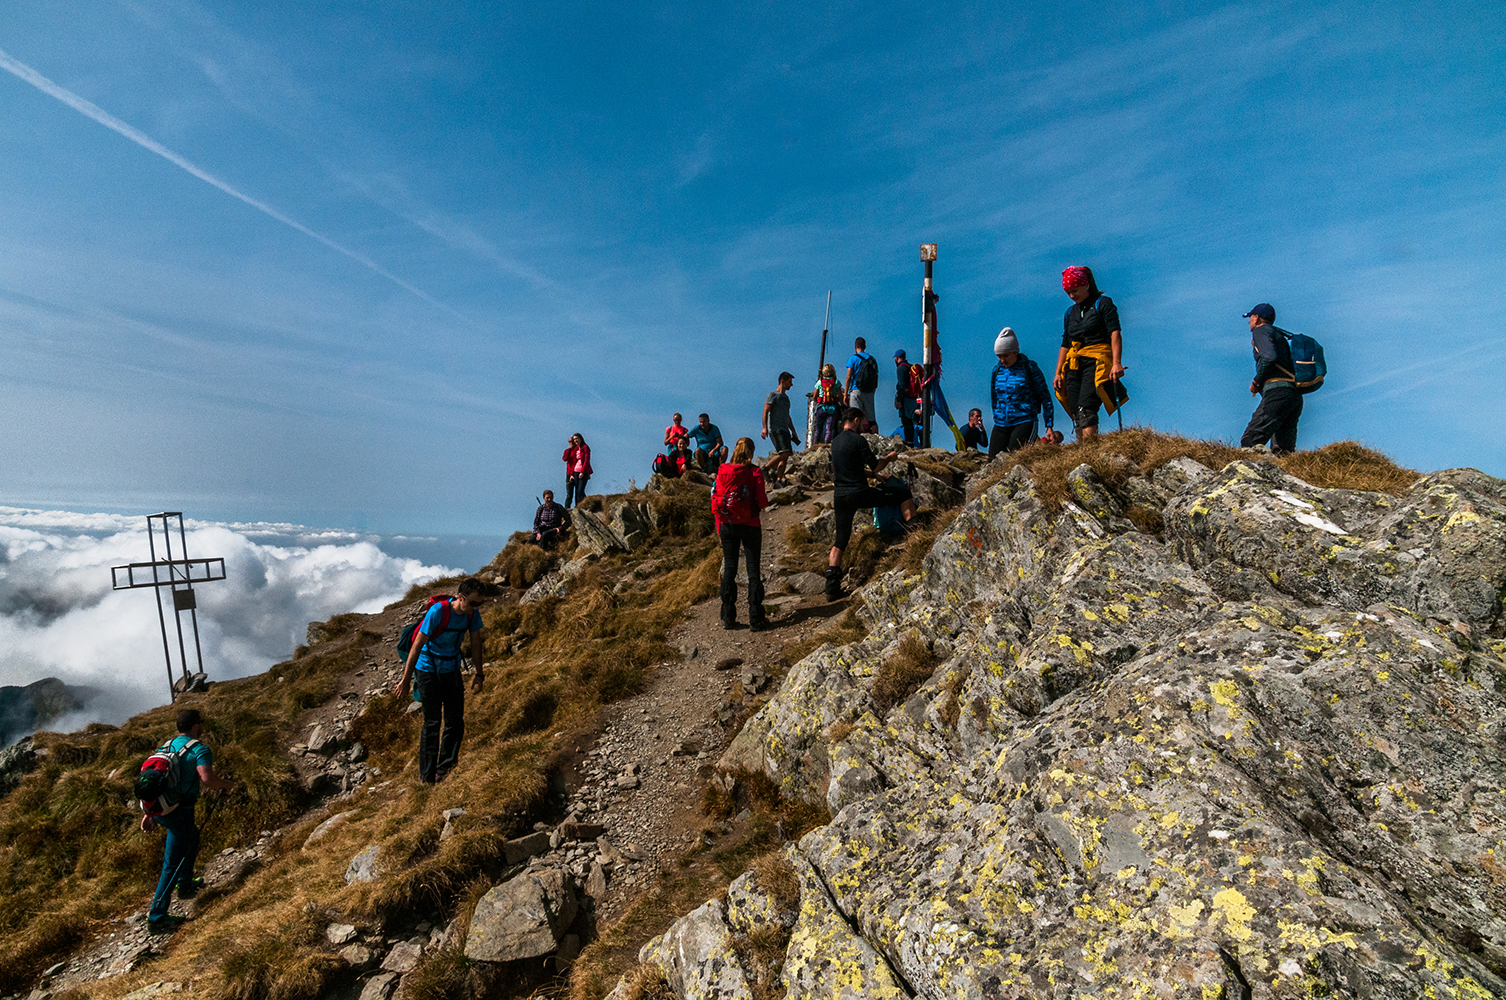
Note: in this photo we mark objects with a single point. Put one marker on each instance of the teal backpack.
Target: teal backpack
(1308, 366)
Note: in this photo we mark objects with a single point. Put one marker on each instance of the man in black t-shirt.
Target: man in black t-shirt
(851, 461)
(974, 435)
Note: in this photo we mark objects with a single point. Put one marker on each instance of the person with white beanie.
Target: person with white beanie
(1020, 394)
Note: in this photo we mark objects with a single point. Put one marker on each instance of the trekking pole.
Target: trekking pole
(1118, 407)
(825, 327)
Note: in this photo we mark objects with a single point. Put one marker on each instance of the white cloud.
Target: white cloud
(60, 618)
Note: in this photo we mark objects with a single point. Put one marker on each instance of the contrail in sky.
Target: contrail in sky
(109, 121)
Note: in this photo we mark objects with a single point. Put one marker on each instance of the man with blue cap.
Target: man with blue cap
(1275, 419)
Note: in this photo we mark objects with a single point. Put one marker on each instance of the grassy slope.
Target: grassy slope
(71, 856)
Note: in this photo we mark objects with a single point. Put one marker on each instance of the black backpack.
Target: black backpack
(867, 379)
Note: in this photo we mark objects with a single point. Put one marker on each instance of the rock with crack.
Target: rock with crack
(595, 534)
(697, 957)
(524, 917)
(1119, 780)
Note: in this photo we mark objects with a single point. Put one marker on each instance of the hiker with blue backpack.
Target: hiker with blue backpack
(862, 383)
(168, 789)
(433, 666)
(1019, 394)
(1287, 366)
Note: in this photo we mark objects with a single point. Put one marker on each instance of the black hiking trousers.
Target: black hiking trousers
(443, 698)
(1275, 419)
(1011, 438)
(750, 538)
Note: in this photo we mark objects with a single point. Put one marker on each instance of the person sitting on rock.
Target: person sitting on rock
(974, 435)
(710, 452)
(851, 462)
(433, 666)
(735, 502)
(550, 522)
(181, 850)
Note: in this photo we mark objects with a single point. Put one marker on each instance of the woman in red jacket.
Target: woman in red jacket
(577, 470)
(735, 502)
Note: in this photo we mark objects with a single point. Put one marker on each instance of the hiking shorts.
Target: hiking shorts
(1081, 393)
(860, 400)
(779, 437)
(848, 505)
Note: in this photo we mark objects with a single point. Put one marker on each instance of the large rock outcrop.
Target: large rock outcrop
(1256, 755)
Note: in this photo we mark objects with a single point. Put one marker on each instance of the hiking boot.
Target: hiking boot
(762, 625)
(164, 924)
(730, 625)
(190, 888)
(833, 583)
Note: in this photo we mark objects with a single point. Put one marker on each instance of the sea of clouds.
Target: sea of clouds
(60, 618)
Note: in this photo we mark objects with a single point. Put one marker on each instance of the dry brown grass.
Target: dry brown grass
(521, 562)
(951, 708)
(1342, 465)
(902, 673)
(646, 982)
(848, 629)
(777, 878)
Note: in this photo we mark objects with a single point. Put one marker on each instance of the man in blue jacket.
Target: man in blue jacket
(1275, 419)
(1019, 392)
(434, 667)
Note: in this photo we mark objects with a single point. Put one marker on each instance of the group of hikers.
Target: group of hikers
(173, 778)
(1087, 378)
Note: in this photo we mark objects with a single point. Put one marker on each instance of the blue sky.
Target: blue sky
(368, 265)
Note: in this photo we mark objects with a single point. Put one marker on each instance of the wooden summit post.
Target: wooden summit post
(178, 576)
(928, 332)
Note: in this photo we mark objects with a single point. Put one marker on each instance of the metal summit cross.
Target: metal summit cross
(178, 575)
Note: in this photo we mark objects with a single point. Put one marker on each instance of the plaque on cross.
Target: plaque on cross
(177, 574)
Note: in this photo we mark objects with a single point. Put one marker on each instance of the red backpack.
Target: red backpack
(733, 500)
(405, 637)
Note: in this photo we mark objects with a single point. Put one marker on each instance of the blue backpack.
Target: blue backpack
(890, 520)
(1308, 366)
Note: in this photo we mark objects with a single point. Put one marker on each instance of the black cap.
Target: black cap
(1264, 311)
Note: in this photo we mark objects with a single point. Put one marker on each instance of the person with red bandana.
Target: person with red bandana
(1090, 364)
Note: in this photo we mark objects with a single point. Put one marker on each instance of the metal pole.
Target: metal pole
(928, 331)
(193, 612)
(151, 541)
(167, 536)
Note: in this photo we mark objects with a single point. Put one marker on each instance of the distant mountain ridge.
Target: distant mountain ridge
(25, 709)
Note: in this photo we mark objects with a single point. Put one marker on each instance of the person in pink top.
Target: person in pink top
(735, 502)
(577, 470)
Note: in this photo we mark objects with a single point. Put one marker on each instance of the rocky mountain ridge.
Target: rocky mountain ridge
(1256, 755)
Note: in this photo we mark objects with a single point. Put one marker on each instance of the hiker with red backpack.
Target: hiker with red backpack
(433, 666)
(736, 499)
(168, 789)
(577, 470)
(909, 382)
(830, 400)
